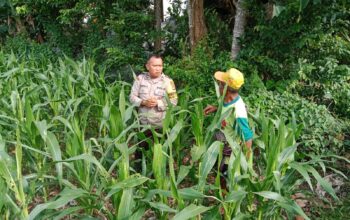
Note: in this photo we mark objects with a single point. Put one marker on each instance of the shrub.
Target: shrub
(197, 71)
(322, 131)
(326, 82)
(26, 48)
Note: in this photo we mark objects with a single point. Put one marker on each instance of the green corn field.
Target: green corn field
(68, 136)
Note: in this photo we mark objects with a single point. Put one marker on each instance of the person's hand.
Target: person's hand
(209, 109)
(150, 103)
(248, 153)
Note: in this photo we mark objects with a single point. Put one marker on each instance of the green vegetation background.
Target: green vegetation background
(297, 63)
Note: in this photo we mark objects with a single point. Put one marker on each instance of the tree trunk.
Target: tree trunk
(269, 10)
(197, 28)
(21, 29)
(158, 10)
(238, 30)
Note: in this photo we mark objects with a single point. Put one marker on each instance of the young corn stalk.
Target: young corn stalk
(17, 184)
(278, 145)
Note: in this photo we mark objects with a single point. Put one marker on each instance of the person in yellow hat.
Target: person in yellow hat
(237, 117)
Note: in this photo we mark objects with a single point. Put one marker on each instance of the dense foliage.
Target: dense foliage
(310, 55)
(66, 141)
(67, 131)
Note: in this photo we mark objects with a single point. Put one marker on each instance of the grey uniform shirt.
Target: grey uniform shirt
(145, 87)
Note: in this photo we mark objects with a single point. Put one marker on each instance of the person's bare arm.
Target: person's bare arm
(248, 144)
(209, 109)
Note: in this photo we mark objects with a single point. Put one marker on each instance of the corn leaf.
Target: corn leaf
(271, 195)
(190, 212)
(285, 155)
(126, 203)
(325, 185)
(90, 159)
(130, 182)
(158, 165)
(65, 212)
(138, 214)
(162, 207)
(184, 170)
(208, 162)
(55, 152)
(303, 171)
(65, 196)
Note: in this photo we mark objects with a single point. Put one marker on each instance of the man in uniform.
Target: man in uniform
(149, 92)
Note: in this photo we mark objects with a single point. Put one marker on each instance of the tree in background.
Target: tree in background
(10, 20)
(158, 11)
(196, 22)
(238, 30)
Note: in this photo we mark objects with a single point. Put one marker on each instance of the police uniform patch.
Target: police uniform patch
(171, 90)
(171, 87)
(172, 95)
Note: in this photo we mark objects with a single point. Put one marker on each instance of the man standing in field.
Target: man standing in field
(235, 110)
(149, 93)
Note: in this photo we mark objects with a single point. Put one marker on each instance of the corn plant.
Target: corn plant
(67, 136)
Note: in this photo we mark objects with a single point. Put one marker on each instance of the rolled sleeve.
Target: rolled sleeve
(243, 129)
